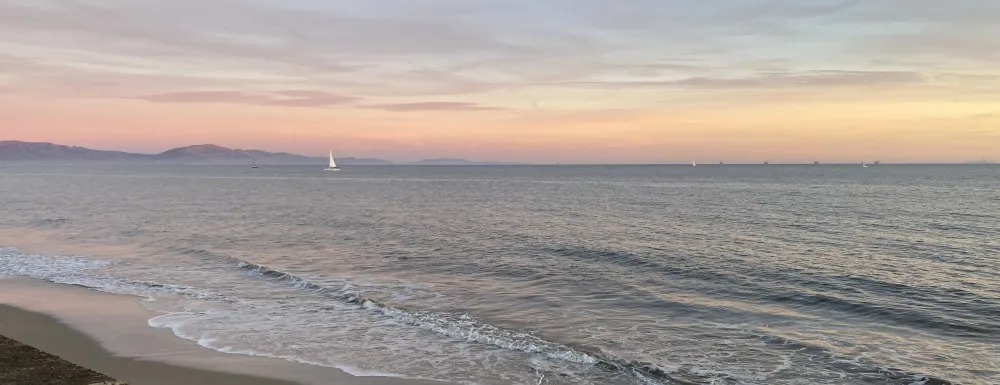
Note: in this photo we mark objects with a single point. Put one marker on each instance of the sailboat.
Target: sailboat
(864, 165)
(254, 163)
(693, 164)
(333, 164)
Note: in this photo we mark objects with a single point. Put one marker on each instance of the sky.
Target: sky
(545, 81)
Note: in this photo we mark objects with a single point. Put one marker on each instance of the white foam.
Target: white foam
(83, 271)
(40, 266)
(786, 363)
(460, 326)
(176, 322)
(466, 328)
(259, 325)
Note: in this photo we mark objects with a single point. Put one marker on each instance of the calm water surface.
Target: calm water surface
(547, 275)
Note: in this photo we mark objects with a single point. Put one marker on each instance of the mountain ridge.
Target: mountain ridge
(44, 152)
(19, 151)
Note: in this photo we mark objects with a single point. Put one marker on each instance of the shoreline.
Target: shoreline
(110, 334)
(51, 336)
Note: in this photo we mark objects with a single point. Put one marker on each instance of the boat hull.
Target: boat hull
(332, 169)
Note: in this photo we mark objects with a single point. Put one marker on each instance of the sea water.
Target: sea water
(724, 274)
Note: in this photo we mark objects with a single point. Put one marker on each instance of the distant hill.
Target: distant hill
(17, 151)
(33, 152)
(459, 162)
(210, 153)
(12, 150)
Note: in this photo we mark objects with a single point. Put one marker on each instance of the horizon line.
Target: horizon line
(491, 164)
(519, 163)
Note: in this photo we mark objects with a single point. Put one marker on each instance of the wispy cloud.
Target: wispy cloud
(985, 117)
(291, 98)
(785, 79)
(431, 106)
(441, 47)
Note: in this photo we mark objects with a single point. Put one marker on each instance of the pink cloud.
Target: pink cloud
(432, 106)
(290, 98)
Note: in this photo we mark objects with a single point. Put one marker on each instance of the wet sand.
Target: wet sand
(23, 364)
(109, 334)
(48, 334)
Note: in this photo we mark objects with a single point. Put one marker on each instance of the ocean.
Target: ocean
(717, 274)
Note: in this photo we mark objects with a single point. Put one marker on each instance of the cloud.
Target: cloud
(318, 39)
(327, 44)
(984, 117)
(927, 12)
(289, 98)
(942, 33)
(391, 48)
(53, 78)
(784, 79)
(431, 106)
(11, 63)
(702, 19)
(962, 43)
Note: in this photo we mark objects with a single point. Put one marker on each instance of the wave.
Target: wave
(948, 311)
(946, 325)
(175, 321)
(84, 271)
(466, 327)
(842, 363)
(81, 271)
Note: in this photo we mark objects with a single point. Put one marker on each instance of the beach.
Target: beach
(109, 335)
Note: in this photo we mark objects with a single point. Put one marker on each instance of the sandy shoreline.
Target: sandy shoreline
(110, 334)
(23, 364)
(48, 334)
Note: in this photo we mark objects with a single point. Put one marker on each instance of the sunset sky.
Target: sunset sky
(584, 81)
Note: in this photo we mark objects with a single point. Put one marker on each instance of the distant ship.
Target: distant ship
(333, 164)
(693, 164)
(254, 163)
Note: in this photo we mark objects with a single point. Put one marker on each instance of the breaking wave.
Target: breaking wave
(468, 328)
(85, 271)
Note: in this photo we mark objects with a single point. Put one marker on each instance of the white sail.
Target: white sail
(333, 163)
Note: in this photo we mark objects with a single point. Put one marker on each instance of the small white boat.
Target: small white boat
(864, 165)
(693, 164)
(333, 164)
(254, 163)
